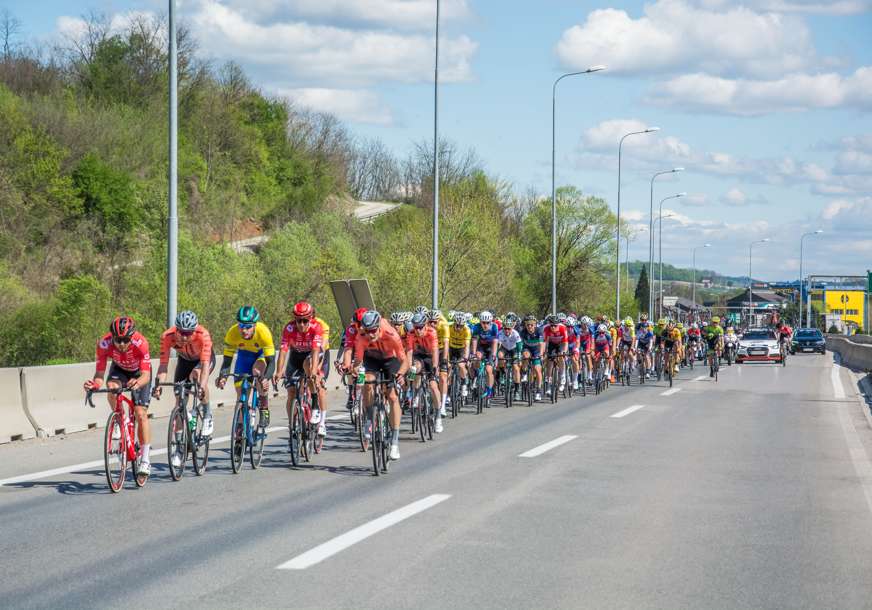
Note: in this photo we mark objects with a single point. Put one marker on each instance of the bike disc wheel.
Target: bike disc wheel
(237, 439)
(375, 442)
(200, 443)
(114, 454)
(385, 445)
(255, 450)
(177, 442)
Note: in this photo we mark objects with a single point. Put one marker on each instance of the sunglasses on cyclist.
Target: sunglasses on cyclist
(372, 334)
(186, 333)
(245, 326)
(420, 326)
(302, 321)
(121, 340)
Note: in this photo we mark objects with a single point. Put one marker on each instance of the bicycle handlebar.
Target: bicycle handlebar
(89, 393)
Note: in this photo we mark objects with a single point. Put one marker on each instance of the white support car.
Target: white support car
(758, 345)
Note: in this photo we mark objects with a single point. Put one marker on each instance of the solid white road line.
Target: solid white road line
(838, 390)
(628, 410)
(536, 451)
(700, 378)
(670, 391)
(43, 474)
(340, 543)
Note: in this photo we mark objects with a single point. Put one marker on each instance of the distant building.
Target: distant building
(706, 282)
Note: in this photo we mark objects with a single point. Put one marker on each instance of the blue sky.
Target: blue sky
(768, 104)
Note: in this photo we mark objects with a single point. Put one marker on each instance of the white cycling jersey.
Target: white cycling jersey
(509, 339)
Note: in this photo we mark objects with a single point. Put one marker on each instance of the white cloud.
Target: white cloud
(328, 54)
(695, 200)
(406, 14)
(674, 35)
(846, 216)
(794, 92)
(835, 7)
(354, 105)
(736, 197)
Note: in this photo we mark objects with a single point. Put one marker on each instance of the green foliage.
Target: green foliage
(110, 199)
(642, 289)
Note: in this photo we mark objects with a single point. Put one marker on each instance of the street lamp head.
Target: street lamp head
(650, 129)
(706, 245)
(595, 69)
(677, 169)
(819, 231)
(765, 239)
(681, 195)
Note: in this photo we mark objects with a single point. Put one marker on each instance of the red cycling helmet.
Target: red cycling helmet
(358, 314)
(122, 326)
(303, 310)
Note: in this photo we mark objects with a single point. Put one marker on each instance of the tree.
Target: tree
(10, 28)
(642, 289)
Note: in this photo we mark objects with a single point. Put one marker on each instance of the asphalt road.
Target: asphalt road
(753, 492)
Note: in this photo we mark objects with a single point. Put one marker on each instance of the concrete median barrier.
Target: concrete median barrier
(855, 355)
(56, 400)
(14, 423)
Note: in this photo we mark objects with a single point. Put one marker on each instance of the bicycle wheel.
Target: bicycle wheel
(419, 414)
(376, 440)
(555, 382)
(384, 453)
(177, 443)
(200, 443)
(428, 417)
(255, 449)
(361, 422)
(669, 369)
(114, 453)
(139, 479)
(295, 432)
(237, 437)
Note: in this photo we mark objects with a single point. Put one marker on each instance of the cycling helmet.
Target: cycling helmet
(459, 318)
(419, 320)
(421, 309)
(486, 316)
(561, 317)
(434, 315)
(586, 321)
(643, 317)
(628, 321)
(571, 320)
(304, 310)
(661, 322)
(509, 323)
(680, 326)
(247, 314)
(716, 319)
(186, 320)
(512, 316)
(450, 316)
(397, 317)
(122, 326)
(602, 328)
(530, 318)
(371, 319)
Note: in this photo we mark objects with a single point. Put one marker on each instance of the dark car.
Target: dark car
(808, 340)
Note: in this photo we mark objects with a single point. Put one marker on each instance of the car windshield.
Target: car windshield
(758, 335)
(808, 334)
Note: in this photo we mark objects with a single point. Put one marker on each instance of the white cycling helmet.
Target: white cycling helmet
(586, 320)
(602, 328)
(486, 316)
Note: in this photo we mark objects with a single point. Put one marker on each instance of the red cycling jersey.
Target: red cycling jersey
(425, 344)
(350, 334)
(555, 335)
(386, 345)
(694, 333)
(198, 347)
(299, 341)
(785, 331)
(135, 358)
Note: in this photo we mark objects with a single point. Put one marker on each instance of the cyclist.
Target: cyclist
(585, 345)
(602, 347)
(303, 338)
(627, 342)
(510, 349)
(379, 348)
(681, 351)
(644, 344)
(574, 366)
(325, 349)
(484, 346)
(532, 339)
(422, 350)
(459, 338)
(131, 369)
(252, 343)
(398, 321)
(343, 360)
(713, 334)
(672, 344)
(784, 334)
(196, 360)
(436, 320)
(694, 338)
(557, 341)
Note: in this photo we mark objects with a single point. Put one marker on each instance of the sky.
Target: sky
(767, 104)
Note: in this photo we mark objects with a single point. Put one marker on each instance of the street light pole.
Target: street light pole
(435, 301)
(750, 281)
(660, 243)
(173, 216)
(553, 185)
(618, 226)
(801, 239)
(693, 284)
(651, 239)
(660, 220)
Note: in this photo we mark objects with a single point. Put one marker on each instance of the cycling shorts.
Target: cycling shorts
(388, 367)
(554, 349)
(456, 353)
(142, 396)
(185, 367)
(426, 361)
